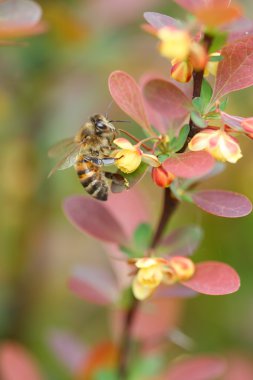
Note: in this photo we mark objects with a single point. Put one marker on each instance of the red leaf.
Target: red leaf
(214, 278)
(127, 94)
(158, 20)
(167, 99)
(183, 241)
(232, 121)
(92, 217)
(17, 364)
(223, 203)
(189, 164)
(93, 285)
(235, 71)
(197, 368)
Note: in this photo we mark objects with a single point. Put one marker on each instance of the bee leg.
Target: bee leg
(119, 183)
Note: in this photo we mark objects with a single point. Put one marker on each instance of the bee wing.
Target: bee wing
(67, 161)
(62, 147)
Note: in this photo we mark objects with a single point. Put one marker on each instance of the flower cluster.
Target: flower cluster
(153, 271)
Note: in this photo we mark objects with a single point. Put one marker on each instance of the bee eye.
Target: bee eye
(100, 125)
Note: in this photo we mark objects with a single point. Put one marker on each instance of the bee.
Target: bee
(88, 151)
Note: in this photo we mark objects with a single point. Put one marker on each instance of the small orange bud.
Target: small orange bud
(198, 56)
(181, 71)
(183, 267)
(161, 177)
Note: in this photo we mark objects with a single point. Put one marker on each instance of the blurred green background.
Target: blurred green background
(48, 89)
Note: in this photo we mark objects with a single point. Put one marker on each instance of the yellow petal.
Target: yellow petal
(141, 292)
(174, 43)
(128, 160)
(123, 143)
(151, 160)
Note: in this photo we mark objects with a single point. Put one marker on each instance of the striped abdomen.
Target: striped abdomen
(92, 178)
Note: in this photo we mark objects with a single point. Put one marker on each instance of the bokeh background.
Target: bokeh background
(47, 90)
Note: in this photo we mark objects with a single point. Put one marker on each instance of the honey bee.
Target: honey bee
(88, 151)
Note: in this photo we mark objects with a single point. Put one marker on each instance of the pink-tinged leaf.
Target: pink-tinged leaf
(223, 203)
(68, 349)
(235, 71)
(145, 326)
(167, 99)
(239, 368)
(93, 285)
(232, 121)
(92, 217)
(214, 278)
(158, 20)
(197, 368)
(183, 241)
(127, 94)
(130, 208)
(239, 29)
(16, 363)
(190, 164)
(174, 291)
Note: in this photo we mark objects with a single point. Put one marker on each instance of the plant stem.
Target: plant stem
(169, 206)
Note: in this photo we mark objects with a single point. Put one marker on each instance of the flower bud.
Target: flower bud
(198, 56)
(161, 177)
(183, 267)
(218, 143)
(181, 71)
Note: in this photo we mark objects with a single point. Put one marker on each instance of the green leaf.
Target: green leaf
(216, 58)
(178, 142)
(163, 157)
(106, 374)
(197, 120)
(219, 40)
(142, 237)
(206, 94)
(223, 104)
(130, 252)
(146, 368)
(198, 104)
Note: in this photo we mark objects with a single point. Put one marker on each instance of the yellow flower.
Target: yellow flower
(218, 143)
(175, 43)
(154, 271)
(129, 157)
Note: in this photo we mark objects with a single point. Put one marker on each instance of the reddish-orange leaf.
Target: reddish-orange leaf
(127, 94)
(218, 14)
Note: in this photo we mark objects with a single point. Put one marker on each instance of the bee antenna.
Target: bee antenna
(108, 108)
(119, 121)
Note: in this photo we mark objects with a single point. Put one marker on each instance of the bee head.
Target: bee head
(102, 125)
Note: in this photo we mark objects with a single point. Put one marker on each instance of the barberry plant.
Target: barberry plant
(187, 137)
